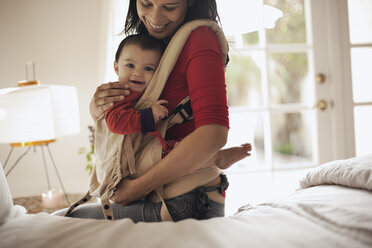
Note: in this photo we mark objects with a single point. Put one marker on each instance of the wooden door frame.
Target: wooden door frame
(331, 44)
(342, 89)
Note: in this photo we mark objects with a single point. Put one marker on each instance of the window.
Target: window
(360, 34)
(270, 92)
(298, 89)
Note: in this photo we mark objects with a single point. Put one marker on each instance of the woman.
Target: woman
(199, 73)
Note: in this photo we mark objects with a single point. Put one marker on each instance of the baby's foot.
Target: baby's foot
(227, 157)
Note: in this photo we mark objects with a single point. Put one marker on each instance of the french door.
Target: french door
(290, 90)
(358, 63)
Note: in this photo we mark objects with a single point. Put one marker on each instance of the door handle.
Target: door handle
(322, 105)
(320, 78)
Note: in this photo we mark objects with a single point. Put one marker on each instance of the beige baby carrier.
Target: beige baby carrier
(121, 156)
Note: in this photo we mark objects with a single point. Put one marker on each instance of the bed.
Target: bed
(333, 208)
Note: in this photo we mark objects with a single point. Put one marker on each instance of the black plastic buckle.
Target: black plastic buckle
(184, 110)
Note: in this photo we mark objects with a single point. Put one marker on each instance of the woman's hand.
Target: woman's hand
(128, 191)
(105, 97)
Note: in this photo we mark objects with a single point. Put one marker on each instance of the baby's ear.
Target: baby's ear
(116, 68)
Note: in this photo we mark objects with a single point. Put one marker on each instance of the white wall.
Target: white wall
(66, 40)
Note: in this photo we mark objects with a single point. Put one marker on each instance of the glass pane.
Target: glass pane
(250, 38)
(363, 132)
(361, 60)
(288, 78)
(236, 42)
(291, 27)
(243, 79)
(360, 21)
(291, 138)
(247, 13)
(247, 127)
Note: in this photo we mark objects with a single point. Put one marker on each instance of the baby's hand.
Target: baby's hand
(159, 111)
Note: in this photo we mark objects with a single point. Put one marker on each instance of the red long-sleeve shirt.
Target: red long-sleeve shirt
(122, 118)
(200, 73)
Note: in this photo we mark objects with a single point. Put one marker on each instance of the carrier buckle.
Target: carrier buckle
(184, 110)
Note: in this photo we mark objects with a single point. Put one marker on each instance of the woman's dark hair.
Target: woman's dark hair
(144, 41)
(200, 9)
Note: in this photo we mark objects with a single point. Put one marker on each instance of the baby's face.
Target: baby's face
(136, 66)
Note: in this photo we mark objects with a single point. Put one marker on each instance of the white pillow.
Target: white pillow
(6, 200)
(353, 172)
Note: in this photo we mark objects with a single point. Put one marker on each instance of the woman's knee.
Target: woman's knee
(90, 210)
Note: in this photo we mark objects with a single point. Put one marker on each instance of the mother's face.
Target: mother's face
(162, 17)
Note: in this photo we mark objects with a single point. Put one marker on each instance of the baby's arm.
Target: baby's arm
(123, 119)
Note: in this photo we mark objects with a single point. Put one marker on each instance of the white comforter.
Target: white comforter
(320, 216)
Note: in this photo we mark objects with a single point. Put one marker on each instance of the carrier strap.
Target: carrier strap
(164, 212)
(129, 153)
(83, 200)
(221, 187)
(107, 209)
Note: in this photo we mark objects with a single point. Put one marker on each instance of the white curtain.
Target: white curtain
(114, 24)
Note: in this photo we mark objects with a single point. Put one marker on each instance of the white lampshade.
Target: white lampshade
(37, 113)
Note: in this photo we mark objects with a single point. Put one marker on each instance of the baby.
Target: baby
(135, 63)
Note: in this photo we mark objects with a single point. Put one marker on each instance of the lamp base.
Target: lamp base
(41, 144)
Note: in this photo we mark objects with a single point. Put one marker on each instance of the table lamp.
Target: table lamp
(35, 115)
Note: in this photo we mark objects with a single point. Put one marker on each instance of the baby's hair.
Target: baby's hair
(144, 41)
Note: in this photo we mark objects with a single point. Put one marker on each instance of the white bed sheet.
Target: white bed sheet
(323, 216)
(332, 210)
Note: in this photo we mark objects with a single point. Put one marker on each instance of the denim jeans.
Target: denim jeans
(182, 207)
(190, 205)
